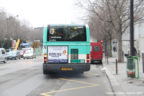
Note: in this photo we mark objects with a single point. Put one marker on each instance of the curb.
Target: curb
(116, 88)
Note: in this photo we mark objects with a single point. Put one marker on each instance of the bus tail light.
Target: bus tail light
(45, 58)
(88, 58)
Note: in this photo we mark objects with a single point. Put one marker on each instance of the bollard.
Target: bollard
(116, 67)
(143, 61)
(107, 58)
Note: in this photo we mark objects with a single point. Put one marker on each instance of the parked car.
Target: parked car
(29, 54)
(2, 55)
(96, 52)
(13, 55)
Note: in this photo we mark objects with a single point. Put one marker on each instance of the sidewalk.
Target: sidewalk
(121, 84)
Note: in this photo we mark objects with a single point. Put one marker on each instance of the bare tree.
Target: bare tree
(117, 14)
(101, 31)
(12, 28)
(3, 32)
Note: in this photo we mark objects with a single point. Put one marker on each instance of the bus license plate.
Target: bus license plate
(64, 69)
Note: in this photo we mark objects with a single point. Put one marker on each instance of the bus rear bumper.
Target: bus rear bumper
(66, 67)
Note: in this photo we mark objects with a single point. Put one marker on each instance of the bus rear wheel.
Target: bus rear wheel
(100, 61)
(45, 72)
(4, 61)
(92, 62)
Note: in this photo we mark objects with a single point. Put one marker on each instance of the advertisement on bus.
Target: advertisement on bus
(57, 54)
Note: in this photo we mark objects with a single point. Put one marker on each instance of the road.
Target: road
(25, 78)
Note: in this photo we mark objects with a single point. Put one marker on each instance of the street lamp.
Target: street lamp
(17, 26)
(132, 53)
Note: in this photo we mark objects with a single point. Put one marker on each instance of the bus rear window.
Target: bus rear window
(66, 33)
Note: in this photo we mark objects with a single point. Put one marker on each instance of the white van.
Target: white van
(2, 55)
(29, 53)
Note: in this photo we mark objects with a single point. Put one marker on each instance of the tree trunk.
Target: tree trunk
(2, 43)
(110, 50)
(120, 51)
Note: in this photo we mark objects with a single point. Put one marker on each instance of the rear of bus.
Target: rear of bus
(66, 48)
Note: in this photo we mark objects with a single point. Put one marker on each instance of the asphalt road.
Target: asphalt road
(25, 78)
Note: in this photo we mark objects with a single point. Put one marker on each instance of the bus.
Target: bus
(66, 48)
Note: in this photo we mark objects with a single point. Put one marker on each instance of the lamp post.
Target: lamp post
(7, 34)
(17, 26)
(132, 53)
(131, 66)
(7, 20)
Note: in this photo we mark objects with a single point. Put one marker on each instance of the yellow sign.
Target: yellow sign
(17, 44)
(75, 28)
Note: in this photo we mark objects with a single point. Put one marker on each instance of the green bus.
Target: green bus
(66, 48)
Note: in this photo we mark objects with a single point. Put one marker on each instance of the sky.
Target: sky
(42, 12)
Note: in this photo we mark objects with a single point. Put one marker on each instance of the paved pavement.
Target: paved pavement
(122, 85)
(25, 78)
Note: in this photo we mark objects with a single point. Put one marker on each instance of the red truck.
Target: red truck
(96, 53)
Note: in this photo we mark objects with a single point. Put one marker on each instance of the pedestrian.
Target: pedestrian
(135, 52)
(114, 49)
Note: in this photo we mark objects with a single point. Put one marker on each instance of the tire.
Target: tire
(94, 62)
(4, 61)
(91, 61)
(45, 72)
(49, 73)
(80, 73)
(100, 61)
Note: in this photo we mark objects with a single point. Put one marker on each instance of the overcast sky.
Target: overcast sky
(42, 12)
